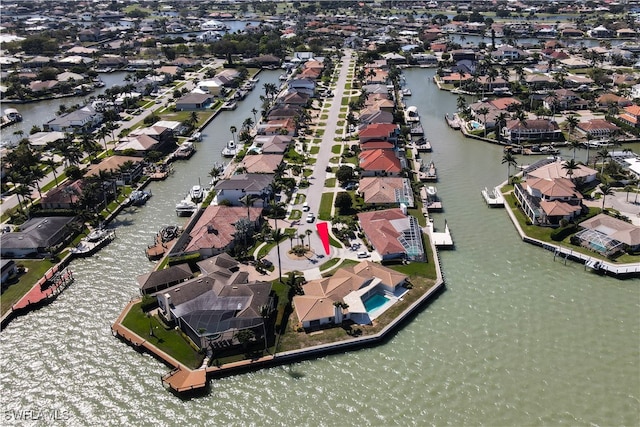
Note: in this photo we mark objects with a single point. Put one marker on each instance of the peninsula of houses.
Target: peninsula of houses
(317, 236)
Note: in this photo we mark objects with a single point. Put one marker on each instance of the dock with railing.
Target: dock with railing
(493, 197)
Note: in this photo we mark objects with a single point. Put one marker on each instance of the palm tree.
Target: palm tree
(603, 154)
(254, 112)
(51, 163)
(574, 144)
(233, 131)
(301, 237)
(510, 160)
(628, 189)
(248, 201)
(483, 111)
(572, 121)
(276, 234)
(102, 134)
(501, 122)
(193, 118)
(589, 136)
(309, 233)
(570, 166)
(247, 124)
(605, 190)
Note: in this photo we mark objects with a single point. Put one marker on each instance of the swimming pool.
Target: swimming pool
(374, 302)
(475, 125)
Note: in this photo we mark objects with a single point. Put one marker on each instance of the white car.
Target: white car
(311, 217)
(363, 254)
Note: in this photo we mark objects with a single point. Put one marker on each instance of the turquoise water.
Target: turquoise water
(374, 302)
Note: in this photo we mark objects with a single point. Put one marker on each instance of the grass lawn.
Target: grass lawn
(35, 270)
(300, 198)
(330, 182)
(314, 150)
(336, 149)
(295, 214)
(170, 341)
(326, 203)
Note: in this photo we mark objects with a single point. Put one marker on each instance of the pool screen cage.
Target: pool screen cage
(599, 242)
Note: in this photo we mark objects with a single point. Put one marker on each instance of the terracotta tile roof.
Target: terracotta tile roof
(380, 232)
(380, 160)
(555, 188)
(554, 170)
(380, 189)
(558, 208)
(261, 163)
(216, 227)
(614, 228)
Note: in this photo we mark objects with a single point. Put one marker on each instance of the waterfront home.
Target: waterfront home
(158, 280)
(562, 99)
(219, 229)
(372, 115)
(379, 132)
(126, 168)
(608, 236)
(271, 144)
(631, 116)
(609, 100)
(597, 128)
(212, 87)
(548, 201)
(550, 170)
(284, 112)
(379, 162)
(330, 301)
(292, 97)
(140, 144)
(42, 140)
(212, 308)
(261, 163)
(532, 130)
(194, 101)
(65, 196)
(277, 127)
(37, 237)
(85, 118)
(233, 189)
(393, 234)
(305, 86)
(386, 191)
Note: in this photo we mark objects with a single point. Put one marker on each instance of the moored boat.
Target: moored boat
(196, 193)
(186, 207)
(230, 150)
(93, 242)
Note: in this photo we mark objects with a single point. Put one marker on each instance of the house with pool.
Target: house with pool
(358, 293)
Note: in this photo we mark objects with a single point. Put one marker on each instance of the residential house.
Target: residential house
(126, 168)
(85, 118)
(548, 201)
(158, 280)
(260, 163)
(219, 228)
(393, 234)
(37, 237)
(211, 308)
(379, 162)
(271, 144)
(608, 235)
(597, 128)
(277, 127)
(64, 196)
(381, 132)
(194, 101)
(341, 297)
(304, 86)
(553, 170)
(239, 186)
(631, 115)
(532, 130)
(611, 100)
(386, 191)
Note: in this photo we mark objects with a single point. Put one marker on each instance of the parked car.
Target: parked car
(305, 207)
(363, 254)
(311, 217)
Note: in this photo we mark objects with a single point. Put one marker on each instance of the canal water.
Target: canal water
(517, 338)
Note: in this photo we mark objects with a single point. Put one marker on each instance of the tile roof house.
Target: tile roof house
(611, 99)
(323, 299)
(194, 101)
(386, 191)
(379, 162)
(597, 128)
(554, 170)
(84, 118)
(114, 164)
(548, 201)
(532, 130)
(277, 127)
(64, 196)
(631, 115)
(211, 308)
(380, 131)
(261, 163)
(37, 238)
(393, 234)
(141, 144)
(216, 230)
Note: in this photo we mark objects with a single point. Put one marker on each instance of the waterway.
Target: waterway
(516, 339)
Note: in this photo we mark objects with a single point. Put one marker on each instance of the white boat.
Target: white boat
(197, 136)
(230, 150)
(94, 241)
(431, 190)
(137, 198)
(406, 92)
(213, 26)
(196, 193)
(229, 105)
(411, 114)
(186, 207)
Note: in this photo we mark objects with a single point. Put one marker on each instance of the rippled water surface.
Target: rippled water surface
(516, 338)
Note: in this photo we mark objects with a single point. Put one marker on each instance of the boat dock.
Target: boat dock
(440, 239)
(493, 197)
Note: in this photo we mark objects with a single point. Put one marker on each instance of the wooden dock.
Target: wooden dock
(493, 198)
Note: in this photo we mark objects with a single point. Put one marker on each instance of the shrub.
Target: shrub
(561, 233)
